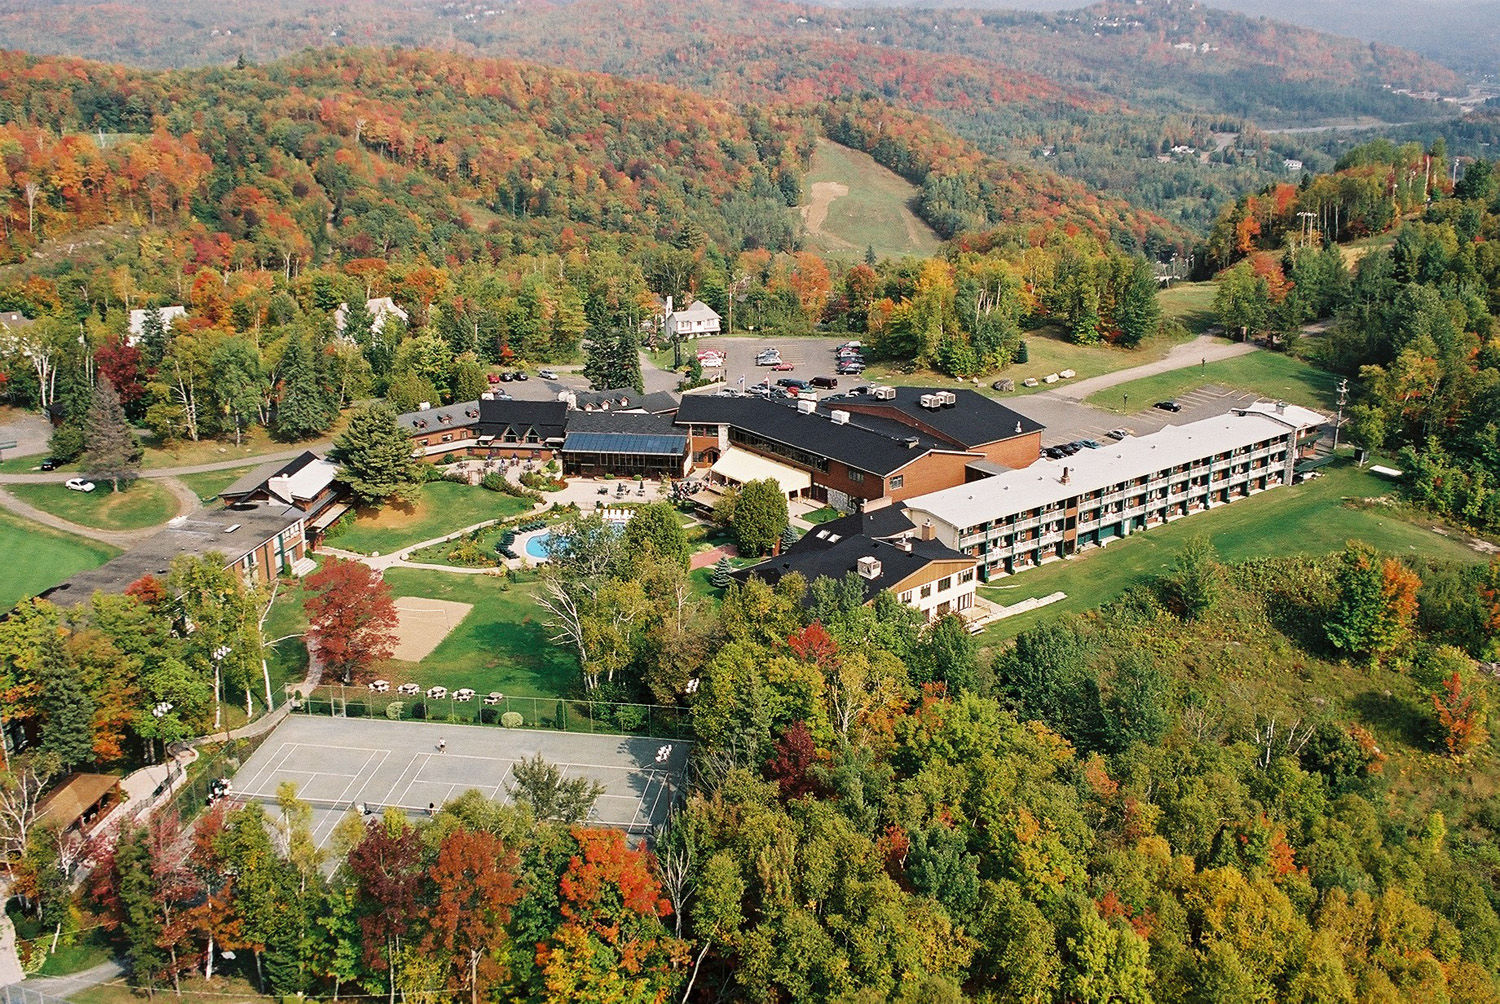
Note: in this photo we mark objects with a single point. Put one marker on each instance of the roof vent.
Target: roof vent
(807, 407)
(868, 567)
(1066, 477)
(932, 402)
(1018, 428)
(911, 442)
(904, 543)
(884, 393)
(947, 398)
(838, 417)
(488, 395)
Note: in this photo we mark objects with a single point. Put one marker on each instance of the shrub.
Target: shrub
(339, 526)
(457, 477)
(1023, 354)
(497, 482)
(630, 718)
(419, 710)
(489, 716)
(432, 472)
(356, 709)
(468, 553)
(541, 482)
(512, 720)
(394, 709)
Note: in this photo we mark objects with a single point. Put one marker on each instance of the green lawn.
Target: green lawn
(1309, 518)
(875, 211)
(501, 645)
(50, 557)
(30, 464)
(1269, 374)
(88, 948)
(1047, 352)
(254, 443)
(827, 514)
(144, 503)
(442, 507)
(210, 483)
(1190, 304)
(286, 661)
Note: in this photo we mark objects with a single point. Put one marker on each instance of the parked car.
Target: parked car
(547, 374)
(849, 369)
(1069, 449)
(1053, 453)
(1171, 406)
(757, 390)
(1117, 433)
(791, 383)
(853, 343)
(78, 485)
(825, 382)
(521, 376)
(49, 464)
(507, 376)
(1089, 444)
(783, 368)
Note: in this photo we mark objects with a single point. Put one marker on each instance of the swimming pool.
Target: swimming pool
(537, 547)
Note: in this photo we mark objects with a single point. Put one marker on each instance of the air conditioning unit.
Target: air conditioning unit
(488, 395)
(424, 406)
(884, 393)
(932, 402)
(947, 398)
(807, 407)
(868, 567)
(838, 417)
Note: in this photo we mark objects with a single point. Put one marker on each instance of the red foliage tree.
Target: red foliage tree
(814, 644)
(788, 767)
(387, 868)
(351, 617)
(474, 886)
(120, 363)
(1461, 715)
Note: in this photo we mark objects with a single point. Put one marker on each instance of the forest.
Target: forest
(1105, 89)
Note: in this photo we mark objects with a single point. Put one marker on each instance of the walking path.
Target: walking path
(119, 538)
(62, 986)
(1204, 348)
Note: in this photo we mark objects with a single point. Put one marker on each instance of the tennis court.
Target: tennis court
(343, 763)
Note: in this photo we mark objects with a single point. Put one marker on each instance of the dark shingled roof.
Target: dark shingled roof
(972, 421)
(818, 554)
(548, 418)
(457, 415)
(879, 446)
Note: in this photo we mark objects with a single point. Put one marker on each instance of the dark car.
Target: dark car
(1054, 453)
(1069, 449)
(507, 376)
(49, 464)
(1172, 406)
(849, 369)
(791, 383)
(521, 376)
(825, 382)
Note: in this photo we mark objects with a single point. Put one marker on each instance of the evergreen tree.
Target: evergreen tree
(139, 920)
(788, 537)
(113, 454)
(722, 576)
(760, 514)
(304, 409)
(614, 361)
(73, 400)
(359, 326)
(67, 710)
(1137, 313)
(153, 339)
(375, 456)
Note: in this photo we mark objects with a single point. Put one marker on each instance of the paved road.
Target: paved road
(63, 986)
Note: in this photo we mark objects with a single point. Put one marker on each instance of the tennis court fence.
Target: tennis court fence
(557, 713)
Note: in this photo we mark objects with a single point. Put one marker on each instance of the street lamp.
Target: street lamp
(218, 657)
(1338, 422)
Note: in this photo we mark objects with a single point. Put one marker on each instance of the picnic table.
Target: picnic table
(380, 686)
(409, 689)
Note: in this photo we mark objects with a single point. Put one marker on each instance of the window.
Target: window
(945, 583)
(447, 439)
(964, 602)
(926, 590)
(967, 575)
(906, 596)
(898, 482)
(857, 476)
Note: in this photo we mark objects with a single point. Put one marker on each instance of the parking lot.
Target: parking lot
(808, 357)
(1067, 420)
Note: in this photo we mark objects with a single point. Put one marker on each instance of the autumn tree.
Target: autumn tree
(474, 887)
(375, 456)
(351, 617)
(657, 526)
(112, 453)
(386, 865)
(1376, 605)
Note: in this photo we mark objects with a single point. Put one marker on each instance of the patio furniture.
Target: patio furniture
(409, 689)
(437, 693)
(493, 697)
(380, 686)
(463, 695)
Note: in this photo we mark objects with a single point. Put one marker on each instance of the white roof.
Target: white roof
(1292, 415)
(168, 315)
(741, 466)
(305, 483)
(1091, 470)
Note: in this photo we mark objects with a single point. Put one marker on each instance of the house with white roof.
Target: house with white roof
(697, 320)
(138, 320)
(1052, 509)
(380, 309)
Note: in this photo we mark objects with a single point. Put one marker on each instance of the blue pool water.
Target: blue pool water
(536, 547)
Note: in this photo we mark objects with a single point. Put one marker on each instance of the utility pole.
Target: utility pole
(1338, 422)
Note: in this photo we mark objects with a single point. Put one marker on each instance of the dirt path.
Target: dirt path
(815, 213)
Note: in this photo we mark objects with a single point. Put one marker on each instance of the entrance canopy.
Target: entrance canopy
(739, 466)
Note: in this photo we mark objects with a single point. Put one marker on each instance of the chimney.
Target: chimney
(927, 529)
(668, 312)
(1066, 477)
(1018, 428)
(1281, 407)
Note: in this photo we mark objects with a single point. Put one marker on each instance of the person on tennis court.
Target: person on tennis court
(442, 745)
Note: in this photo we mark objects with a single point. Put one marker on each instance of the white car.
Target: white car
(78, 485)
(547, 374)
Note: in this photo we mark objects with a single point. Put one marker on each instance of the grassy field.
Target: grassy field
(143, 504)
(1047, 352)
(30, 464)
(50, 557)
(235, 990)
(254, 443)
(866, 206)
(441, 508)
(1269, 374)
(1190, 304)
(1311, 518)
(208, 484)
(501, 645)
